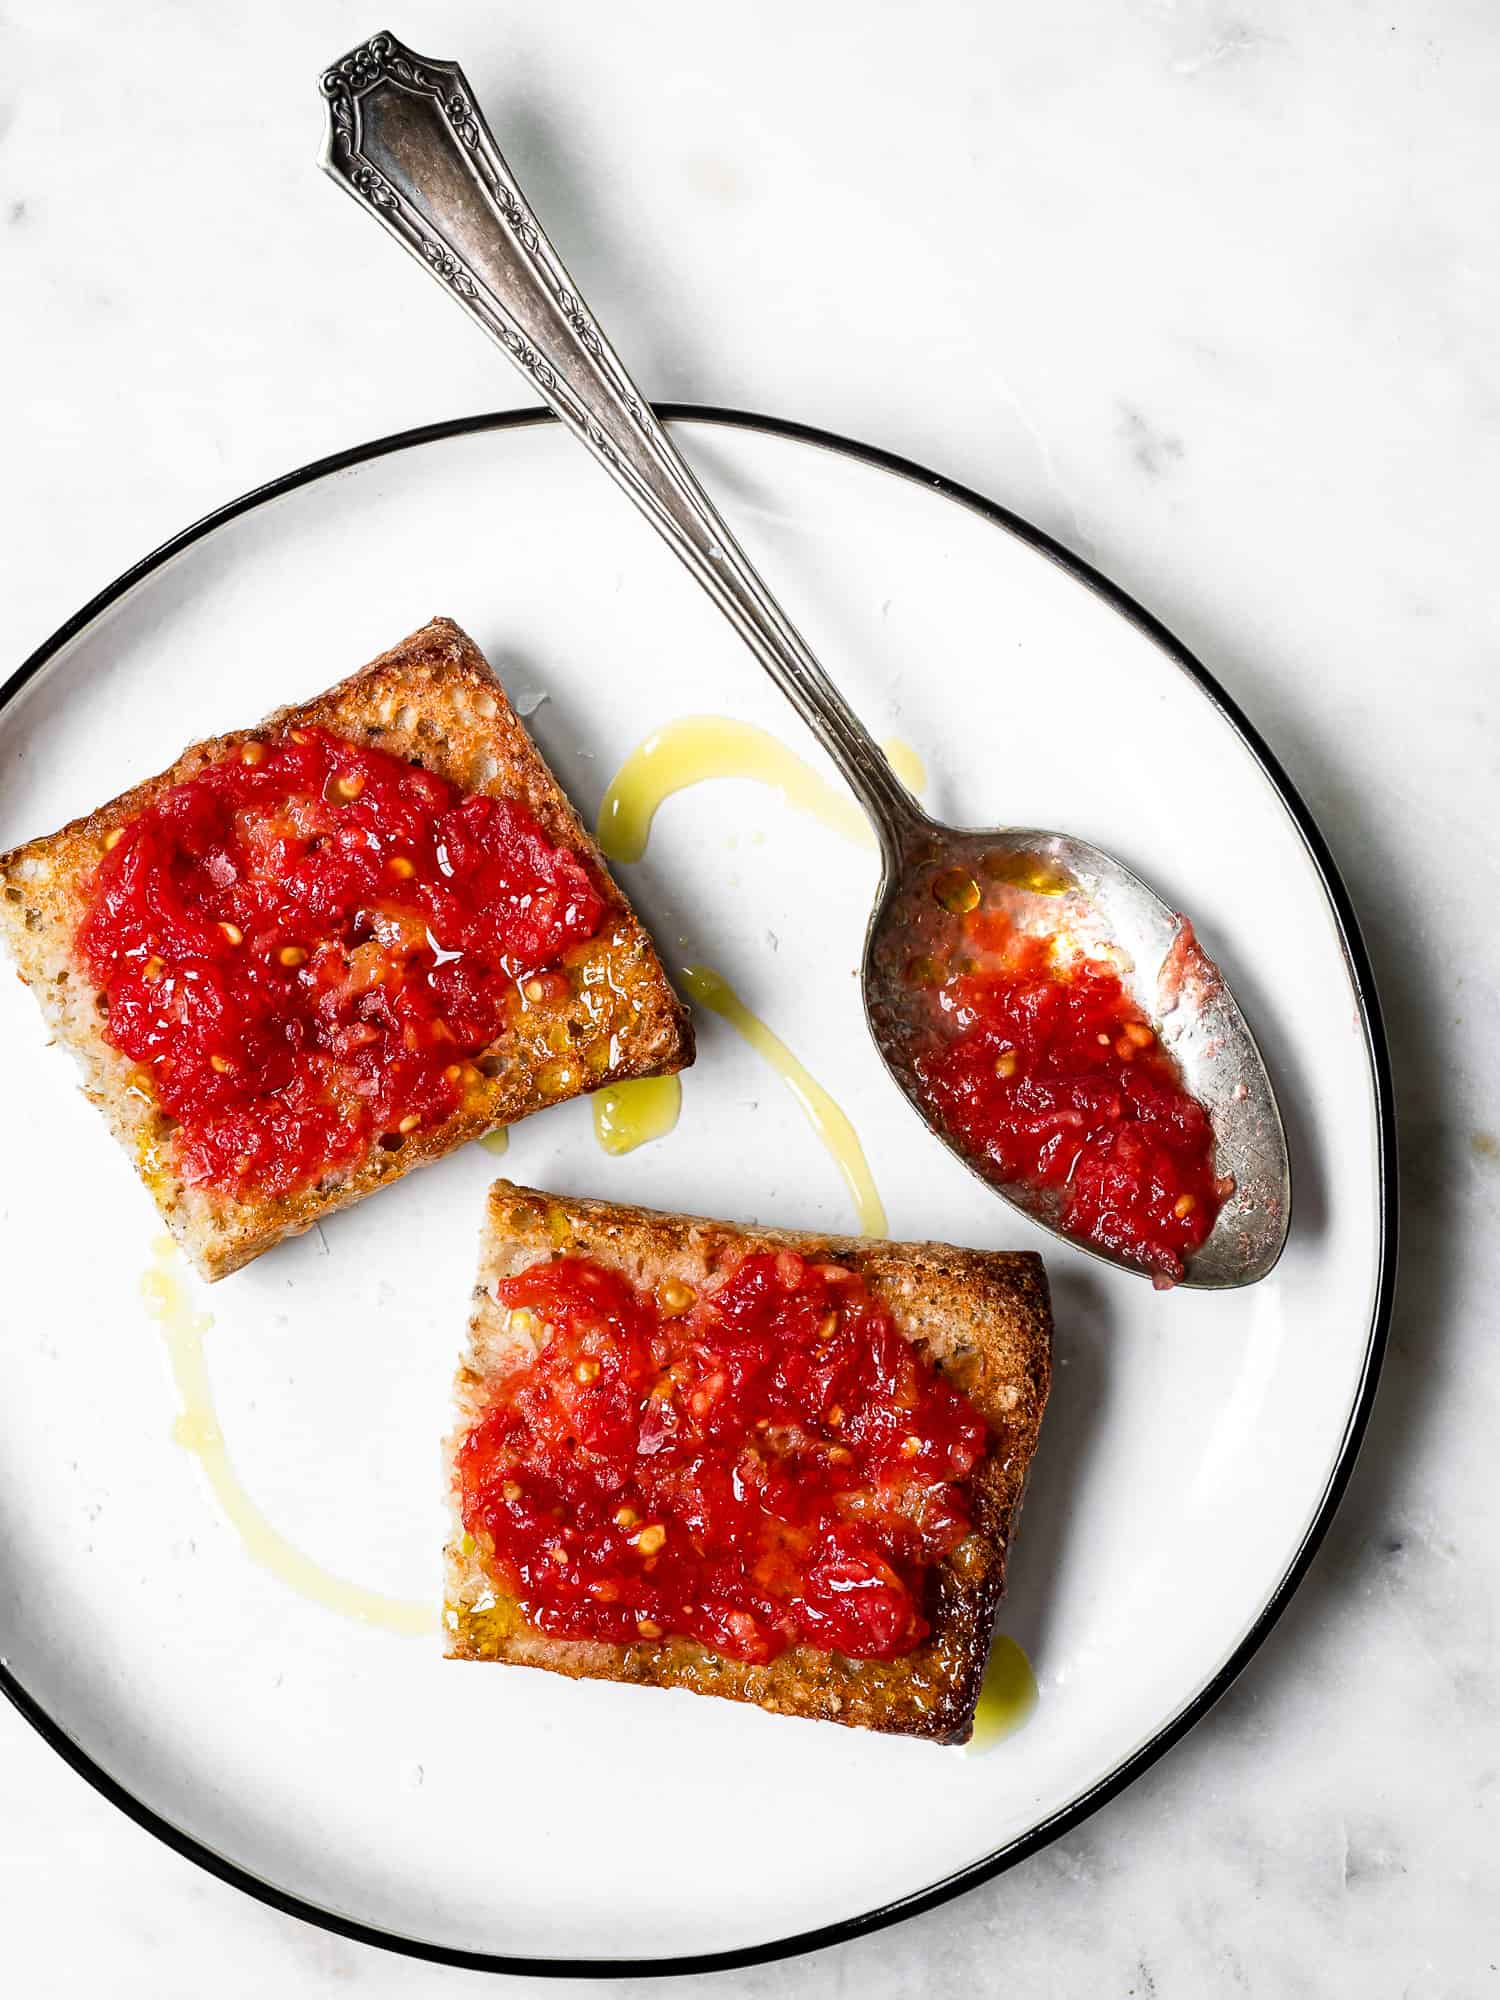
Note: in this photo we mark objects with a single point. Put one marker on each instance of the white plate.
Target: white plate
(1196, 1443)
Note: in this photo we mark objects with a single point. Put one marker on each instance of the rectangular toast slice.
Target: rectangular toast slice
(433, 701)
(982, 1318)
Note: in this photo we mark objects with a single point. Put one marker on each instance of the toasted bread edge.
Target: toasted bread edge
(983, 1317)
(432, 698)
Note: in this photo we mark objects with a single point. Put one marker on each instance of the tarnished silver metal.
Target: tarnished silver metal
(408, 141)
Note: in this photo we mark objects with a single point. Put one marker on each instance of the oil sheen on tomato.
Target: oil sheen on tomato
(767, 1464)
(303, 946)
(1048, 1074)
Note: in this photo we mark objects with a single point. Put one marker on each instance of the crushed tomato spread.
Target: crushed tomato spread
(765, 1464)
(303, 947)
(1047, 1073)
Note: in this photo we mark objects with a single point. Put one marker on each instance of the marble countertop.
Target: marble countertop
(1209, 291)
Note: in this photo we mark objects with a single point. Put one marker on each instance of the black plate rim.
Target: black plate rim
(1361, 974)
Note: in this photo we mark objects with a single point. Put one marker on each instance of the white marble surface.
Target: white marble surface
(1208, 290)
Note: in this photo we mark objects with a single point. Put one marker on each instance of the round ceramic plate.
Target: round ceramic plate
(1196, 1443)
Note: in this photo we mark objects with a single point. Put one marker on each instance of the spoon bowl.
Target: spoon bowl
(407, 139)
(1053, 882)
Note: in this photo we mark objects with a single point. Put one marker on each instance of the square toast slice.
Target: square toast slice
(982, 1317)
(431, 700)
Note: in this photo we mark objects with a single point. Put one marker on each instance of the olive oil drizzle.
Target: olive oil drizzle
(197, 1431)
(695, 748)
(690, 751)
(712, 990)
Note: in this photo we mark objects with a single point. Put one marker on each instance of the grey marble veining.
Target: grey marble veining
(1211, 293)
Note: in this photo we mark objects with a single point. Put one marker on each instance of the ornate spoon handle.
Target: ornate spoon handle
(409, 142)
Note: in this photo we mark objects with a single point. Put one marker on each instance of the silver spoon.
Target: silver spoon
(409, 142)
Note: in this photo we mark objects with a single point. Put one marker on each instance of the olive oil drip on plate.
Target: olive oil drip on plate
(710, 989)
(631, 1114)
(699, 747)
(1007, 1698)
(197, 1430)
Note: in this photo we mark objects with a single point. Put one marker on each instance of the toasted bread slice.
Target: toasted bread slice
(982, 1317)
(433, 700)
